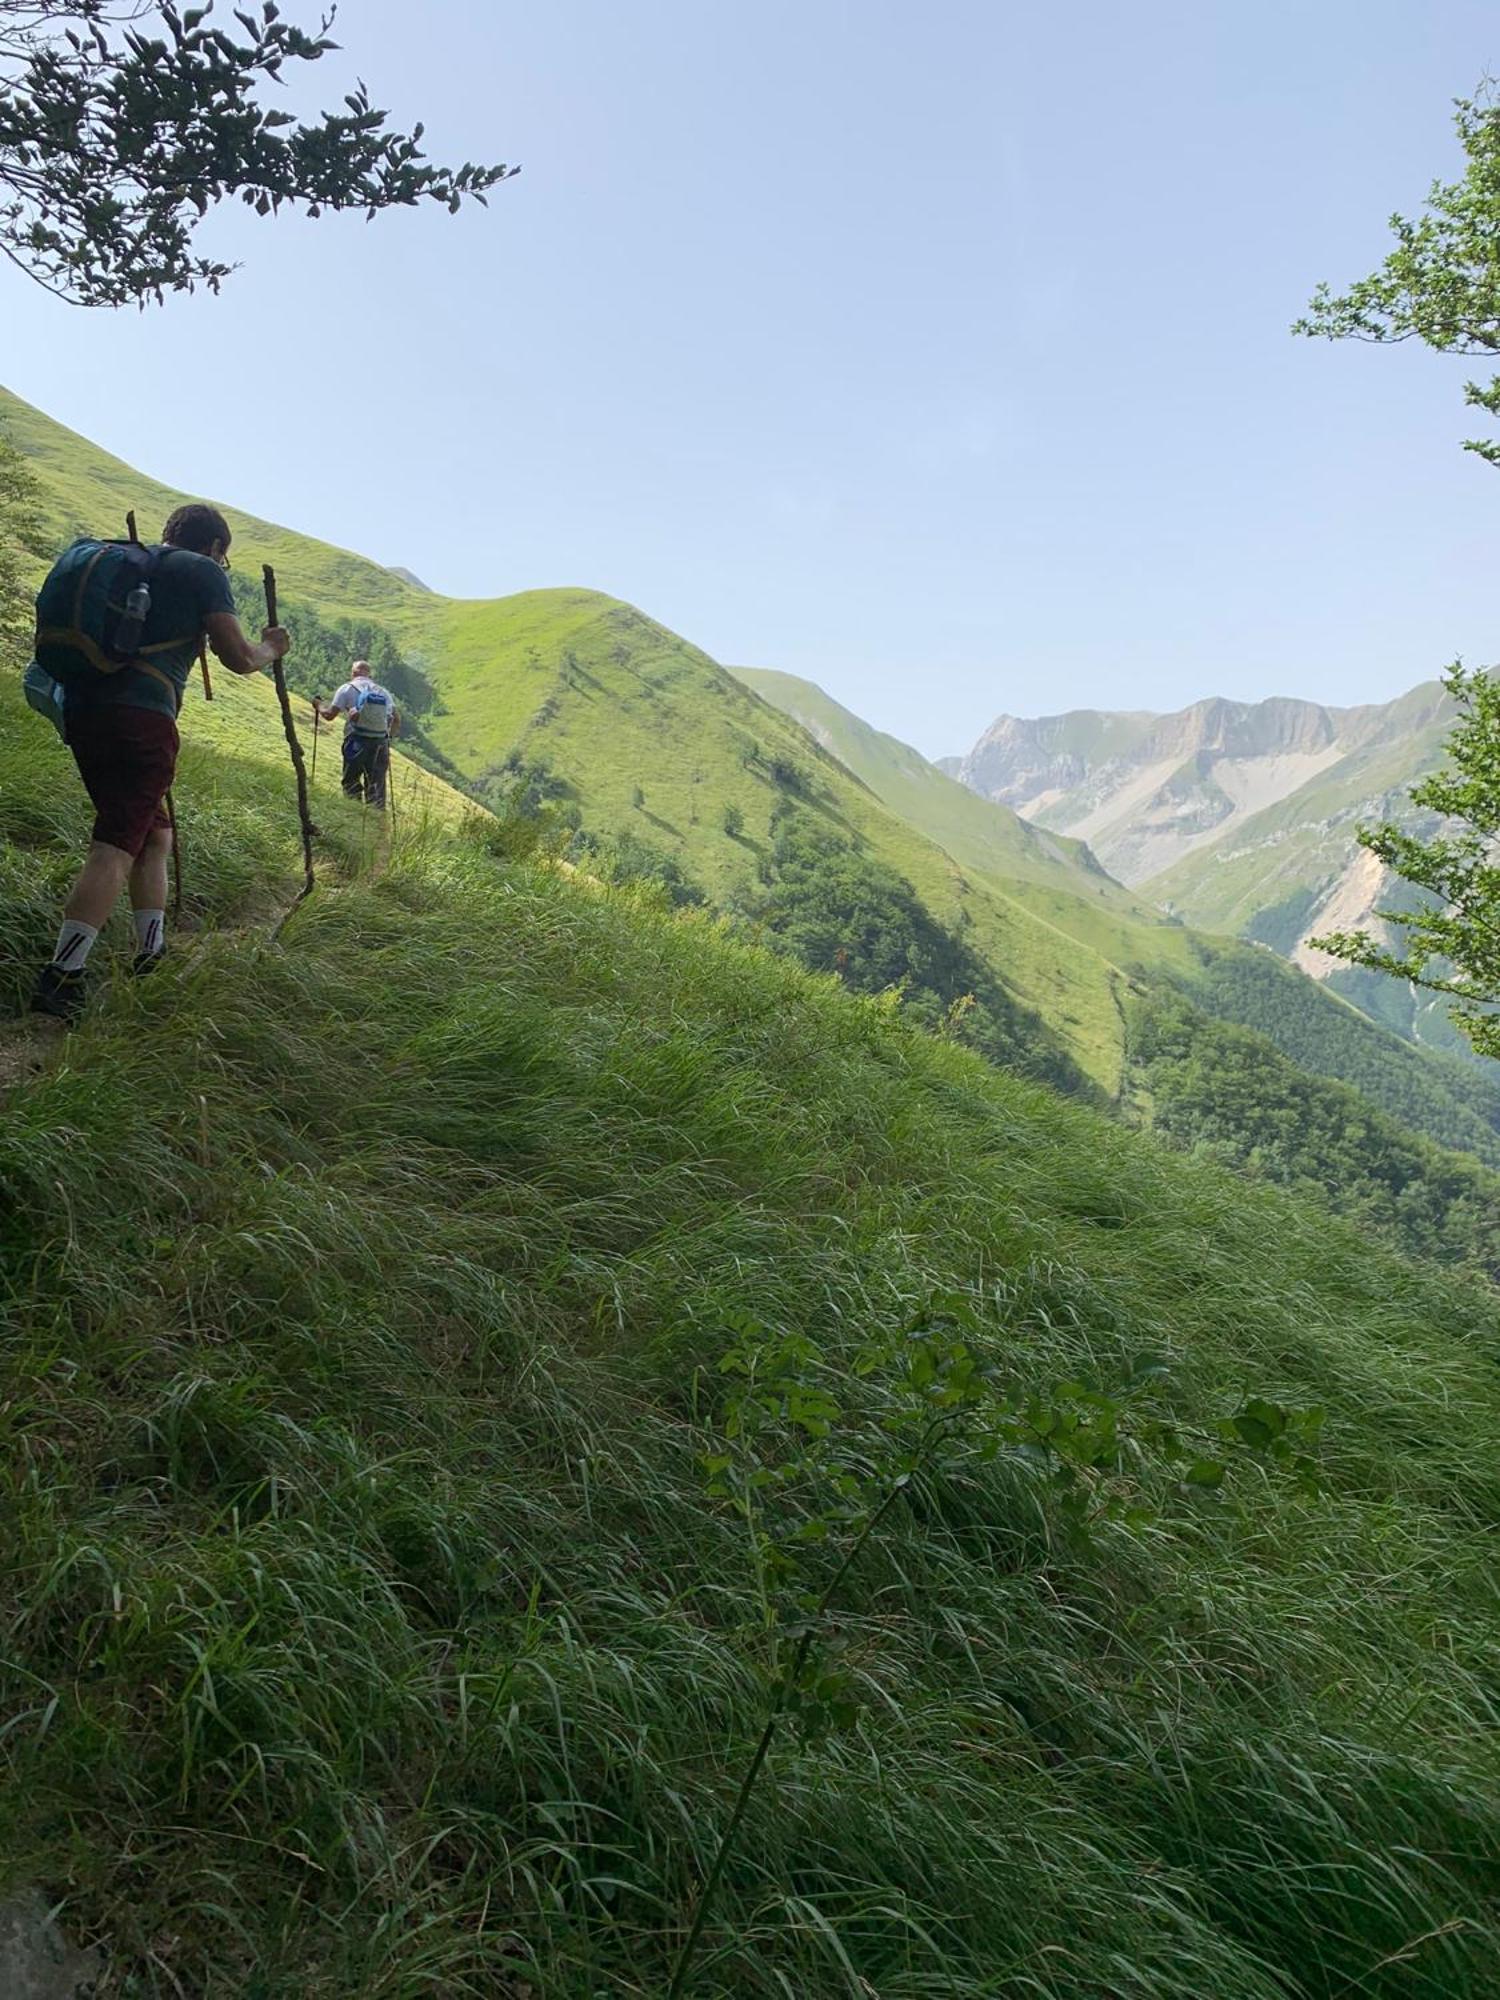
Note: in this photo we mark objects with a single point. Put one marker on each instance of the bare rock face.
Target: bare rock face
(36, 1960)
(1146, 791)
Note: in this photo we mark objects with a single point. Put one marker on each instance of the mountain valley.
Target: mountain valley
(1237, 817)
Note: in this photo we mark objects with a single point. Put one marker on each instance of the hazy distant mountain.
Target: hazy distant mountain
(1236, 816)
(409, 576)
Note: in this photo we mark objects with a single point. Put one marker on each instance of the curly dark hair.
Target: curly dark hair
(196, 528)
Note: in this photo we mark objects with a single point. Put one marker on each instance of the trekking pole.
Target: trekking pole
(317, 702)
(268, 576)
(390, 786)
(176, 863)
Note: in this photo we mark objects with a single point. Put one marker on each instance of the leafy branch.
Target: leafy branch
(120, 127)
(1441, 283)
(1452, 941)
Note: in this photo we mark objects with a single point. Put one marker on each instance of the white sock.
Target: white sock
(74, 943)
(151, 932)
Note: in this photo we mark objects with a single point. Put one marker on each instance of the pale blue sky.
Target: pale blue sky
(939, 354)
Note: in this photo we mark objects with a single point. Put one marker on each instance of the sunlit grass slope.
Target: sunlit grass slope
(368, 1628)
(613, 702)
(1056, 879)
(645, 736)
(86, 491)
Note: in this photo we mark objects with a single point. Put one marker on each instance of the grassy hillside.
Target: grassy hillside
(611, 705)
(86, 491)
(868, 862)
(370, 1621)
(643, 740)
(592, 691)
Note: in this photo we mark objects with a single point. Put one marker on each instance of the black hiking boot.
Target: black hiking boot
(59, 993)
(146, 962)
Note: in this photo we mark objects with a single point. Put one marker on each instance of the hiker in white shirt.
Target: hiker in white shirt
(371, 719)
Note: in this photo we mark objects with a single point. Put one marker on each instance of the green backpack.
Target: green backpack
(90, 614)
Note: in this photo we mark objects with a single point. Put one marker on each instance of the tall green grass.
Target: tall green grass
(369, 1627)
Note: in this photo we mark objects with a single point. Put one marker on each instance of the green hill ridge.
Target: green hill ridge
(374, 1621)
(608, 703)
(814, 832)
(975, 831)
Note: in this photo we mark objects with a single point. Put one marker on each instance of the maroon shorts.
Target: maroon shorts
(126, 757)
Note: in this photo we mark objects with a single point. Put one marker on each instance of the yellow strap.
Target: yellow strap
(84, 646)
(80, 643)
(166, 645)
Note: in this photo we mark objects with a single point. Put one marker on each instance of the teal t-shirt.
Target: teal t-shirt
(186, 591)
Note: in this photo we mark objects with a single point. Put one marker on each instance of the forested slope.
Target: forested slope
(1365, 1101)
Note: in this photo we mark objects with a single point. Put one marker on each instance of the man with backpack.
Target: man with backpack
(371, 720)
(119, 625)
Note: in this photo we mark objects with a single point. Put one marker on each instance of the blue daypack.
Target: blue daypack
(372, 712)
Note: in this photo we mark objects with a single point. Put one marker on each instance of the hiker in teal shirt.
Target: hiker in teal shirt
(122, 730)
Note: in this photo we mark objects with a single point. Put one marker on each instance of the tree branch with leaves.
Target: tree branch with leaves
(121, 126)
(1441, 283)
(1453, 940)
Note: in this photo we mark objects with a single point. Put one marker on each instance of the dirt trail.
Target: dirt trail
(29, 1042)
(26, 1048)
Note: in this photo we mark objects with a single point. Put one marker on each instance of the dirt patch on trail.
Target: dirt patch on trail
(26, 1049)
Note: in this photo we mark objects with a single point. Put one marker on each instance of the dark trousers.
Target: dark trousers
(366, 761)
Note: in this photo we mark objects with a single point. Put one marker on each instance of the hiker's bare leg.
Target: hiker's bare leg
(148, 878)
(99, 883)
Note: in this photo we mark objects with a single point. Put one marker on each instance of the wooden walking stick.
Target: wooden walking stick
(268, 576)
(176, 861)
